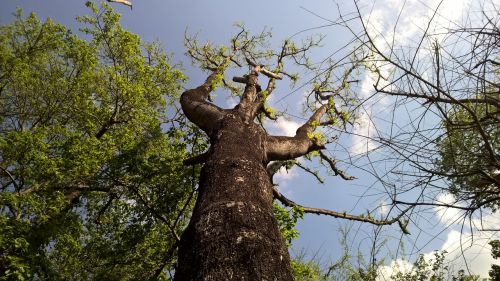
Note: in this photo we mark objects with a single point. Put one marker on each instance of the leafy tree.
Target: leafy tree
(446, 86)
(433, 269)
(495, 253)
(307, 270)
(471, 132)
(92, 184)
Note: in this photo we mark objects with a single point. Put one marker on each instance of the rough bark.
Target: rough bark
(233, 234)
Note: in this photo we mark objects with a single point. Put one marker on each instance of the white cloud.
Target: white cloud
(472, 248)
(488, 222)
(460, 247)
(283, 127)
(282, 179)
(444, 214)
(231, 101)
(363, 132)
(385, 272)
(383, 209)
(284, 175)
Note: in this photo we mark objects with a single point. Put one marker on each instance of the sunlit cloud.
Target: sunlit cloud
(447, 215)
(459, 247)
(363, 132)
(385, 272)
(284, 175)
(283, 127)
(383, 209)
(231, 101)
(472, 248)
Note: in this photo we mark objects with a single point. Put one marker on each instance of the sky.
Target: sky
(167, 22)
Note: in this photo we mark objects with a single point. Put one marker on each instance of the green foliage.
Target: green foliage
(469, 151)
(287, 219)
(462, 277)
(307, 270)
(432, 269)
(495, 253)
(92, 184)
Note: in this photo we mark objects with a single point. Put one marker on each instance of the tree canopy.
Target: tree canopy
(92, 185)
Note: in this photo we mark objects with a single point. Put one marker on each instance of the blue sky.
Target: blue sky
(167, 21)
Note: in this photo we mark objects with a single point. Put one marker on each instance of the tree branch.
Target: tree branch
(264, 71)
(333, 165)
(197, 159)
(285, 148)
(11, 177)
(318, 211)
(202, 113)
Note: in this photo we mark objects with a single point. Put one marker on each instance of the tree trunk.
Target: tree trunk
(233, 234)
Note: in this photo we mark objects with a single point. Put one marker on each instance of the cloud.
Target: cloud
(231, 101)
(447, 215)
(284, 175)
(400, 23)
(383, 209)
(283, 127)
(488, 222)
(464, 251)
(385, 272)
(474, 249)
(413, 21)
(361, 140)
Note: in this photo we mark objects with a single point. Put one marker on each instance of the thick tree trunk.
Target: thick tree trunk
(233, 234)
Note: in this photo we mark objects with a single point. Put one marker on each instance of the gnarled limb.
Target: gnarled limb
(198, 110)
(246, 108)
(285, 148)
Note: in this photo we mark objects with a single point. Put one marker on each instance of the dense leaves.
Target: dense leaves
(465, 157)
(495, 253)
(92, 184)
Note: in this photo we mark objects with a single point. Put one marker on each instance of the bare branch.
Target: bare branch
(124, 2)
(333, 165)
(264, 70)
(318, 211)
(11, 177)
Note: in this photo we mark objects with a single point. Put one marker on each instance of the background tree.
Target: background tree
(453, 77)
(92, 184)
(438, 126)
(495, 253)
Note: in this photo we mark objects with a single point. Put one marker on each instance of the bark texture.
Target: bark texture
(233, 234)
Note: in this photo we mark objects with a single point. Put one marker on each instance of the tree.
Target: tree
(432, 269)
(92, 184)
(232, 231)
(495, 253)
(446, 85)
